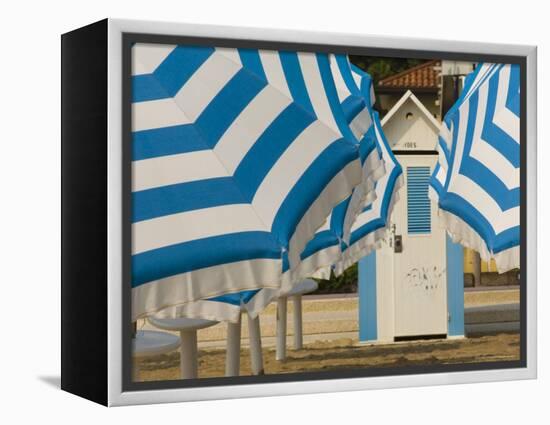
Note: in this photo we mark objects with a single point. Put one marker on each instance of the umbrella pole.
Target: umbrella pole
(255, 340)
(188, 354)
(477, 268)
(280, 353)
(298, 338)
(233, 350)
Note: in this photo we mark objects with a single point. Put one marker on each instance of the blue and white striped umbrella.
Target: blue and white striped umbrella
(369, 227)
(356, 95)
(238, 158)
(476, 181)
(324, 250)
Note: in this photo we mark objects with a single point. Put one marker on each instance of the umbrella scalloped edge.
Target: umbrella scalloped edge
(340, 187)
(462, 233)
(366, 192)
(371, 241)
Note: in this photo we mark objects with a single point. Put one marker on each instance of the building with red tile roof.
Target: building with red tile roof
(425, 77)
(423, 80)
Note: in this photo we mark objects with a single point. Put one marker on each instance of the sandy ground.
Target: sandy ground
(346, 353)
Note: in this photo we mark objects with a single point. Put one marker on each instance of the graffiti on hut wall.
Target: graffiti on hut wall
(425, 278)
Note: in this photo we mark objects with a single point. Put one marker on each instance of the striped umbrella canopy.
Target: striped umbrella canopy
(355, 96)
(369, 227)
(326, 250)
(238, 157)
(476, 180)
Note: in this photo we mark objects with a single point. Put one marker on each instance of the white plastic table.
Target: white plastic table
(188, 335)
(152, 343)
(304, 287)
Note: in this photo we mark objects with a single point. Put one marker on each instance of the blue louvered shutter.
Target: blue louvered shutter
(418, 203)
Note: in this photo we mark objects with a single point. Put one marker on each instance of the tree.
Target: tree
(345, 283)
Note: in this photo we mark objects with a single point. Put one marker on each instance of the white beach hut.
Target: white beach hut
(412, 286)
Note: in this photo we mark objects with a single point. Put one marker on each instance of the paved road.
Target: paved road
(332, 317)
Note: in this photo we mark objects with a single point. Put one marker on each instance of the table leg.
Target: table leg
(280, 352)
(233, 350)
(188, 354)
(298, 338)
(255, 340)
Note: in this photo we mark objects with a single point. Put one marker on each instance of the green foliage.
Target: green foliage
(345, 283)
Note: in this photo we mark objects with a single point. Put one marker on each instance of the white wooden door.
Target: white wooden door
(420, 289)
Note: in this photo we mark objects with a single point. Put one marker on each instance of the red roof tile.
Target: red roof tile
(426, 76)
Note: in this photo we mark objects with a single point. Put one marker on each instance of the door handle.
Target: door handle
(398, 244)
